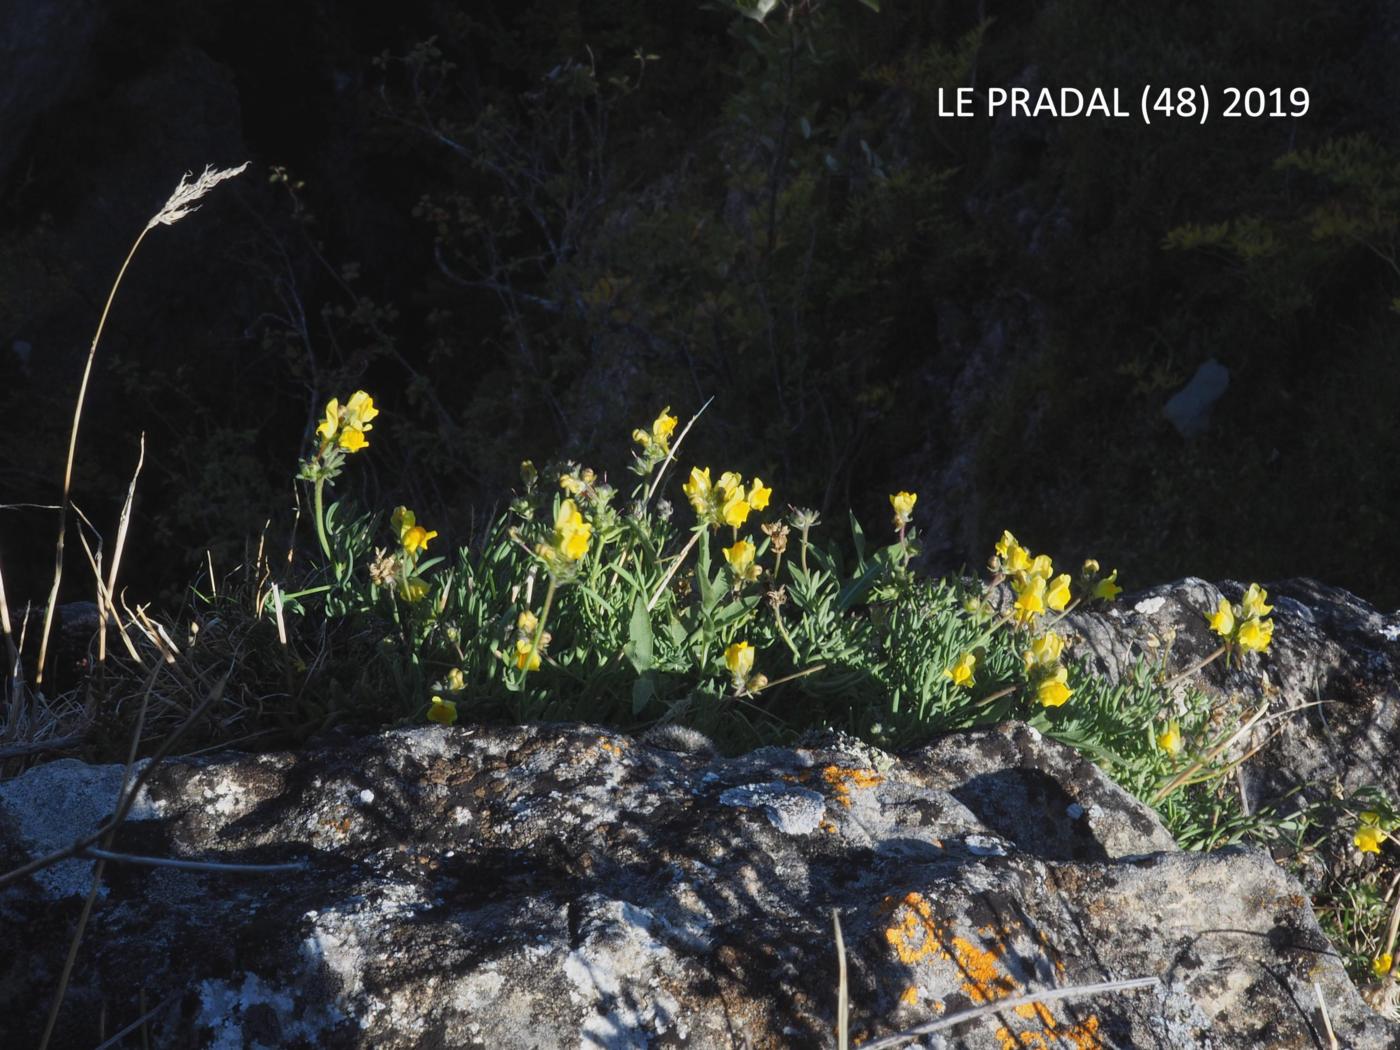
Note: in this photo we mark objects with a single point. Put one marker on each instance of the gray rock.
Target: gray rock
(545, 886)
(1330, 678)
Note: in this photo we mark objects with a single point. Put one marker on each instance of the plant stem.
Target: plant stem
(321, 519)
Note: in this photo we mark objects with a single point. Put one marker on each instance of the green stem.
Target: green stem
(321, 520)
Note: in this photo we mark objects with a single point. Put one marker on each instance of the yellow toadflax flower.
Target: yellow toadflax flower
(961, 671)
(1030, 599)
(903, 504)
(1222, 622)
(740, 558)
(1044, 651)
(456, 681)
(1057, 594)
(571, 533)
(1169, 740)
(759, 494)
(412, 536)
(359, 410)
(1368, 838)
(738, 658)
(1054, 690)
(1255, 635)
(444, 712)
(659, 437)
(1382, 964)
(413, 590)
(527, 657)
(1107, 588)
(1011, 557)
(1252, 606)
(700, 491)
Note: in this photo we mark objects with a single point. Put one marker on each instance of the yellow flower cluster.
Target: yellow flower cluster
(655, 444)
(1371, 833)
(345, 425)
(1245, 625)
(1033, 579)
(569, 544)
(726, 502)
(1042, 662)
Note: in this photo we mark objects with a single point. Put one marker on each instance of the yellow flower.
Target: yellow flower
(903, 504)
(527, 623)
(1053, 691)
(1368, 838)
(359, 410)
(1223, 620)
(571, 532)
(699, 490)
(1256, 634)
(1253, 607)
(528, 473)
(456, 681)
(1369, 816)
(1108, 588)
(352, 440)
(1042, 566)
(739, 659)
(1057, 596)
(740, 557)
(662, 427)
(527, 658)
(416, 539)
(730, 483)
(1044, 651)
(413, 590)
(1169, 740)
(961, 671)
(1381, 964)
(442, 711)
(572, 484)
(736, 509)
(759, 495)
(328, 426)
(1030, 599)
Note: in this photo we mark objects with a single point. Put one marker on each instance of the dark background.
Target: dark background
(525, 236)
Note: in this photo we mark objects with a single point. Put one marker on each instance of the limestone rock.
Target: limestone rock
(545, 886)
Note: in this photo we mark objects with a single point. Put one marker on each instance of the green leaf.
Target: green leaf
(643, 692)
(874, 5)
(639, 648)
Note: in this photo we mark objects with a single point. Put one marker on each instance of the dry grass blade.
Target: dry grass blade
(843, 1001)
(675, 447)
(180, 204)
(1326, 1018)
(122, 525)
(119, 1036)
(192, 865)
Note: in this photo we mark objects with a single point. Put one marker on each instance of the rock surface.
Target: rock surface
(1330, 678)
(545, 886)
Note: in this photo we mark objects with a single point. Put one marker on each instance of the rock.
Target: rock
(1331, 675)
(551, 885)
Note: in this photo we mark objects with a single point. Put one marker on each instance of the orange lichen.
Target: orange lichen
(916, 934)
(1081, 1036)
(842, 780)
